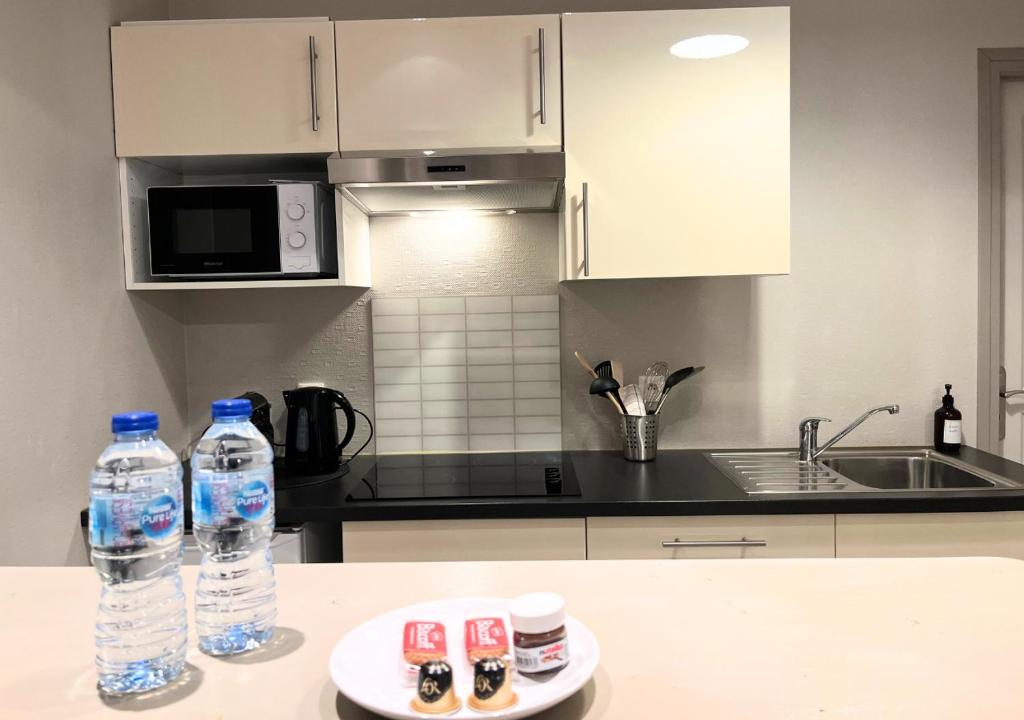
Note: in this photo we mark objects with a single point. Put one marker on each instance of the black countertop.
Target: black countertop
(678, 482)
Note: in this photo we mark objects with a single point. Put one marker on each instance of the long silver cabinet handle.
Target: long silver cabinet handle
(677, 543)
(1010, 393)
(586, 232)
(543, 79)
(312, 83)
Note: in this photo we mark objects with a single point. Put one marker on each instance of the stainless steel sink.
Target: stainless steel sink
(856, 471)
(924, 471)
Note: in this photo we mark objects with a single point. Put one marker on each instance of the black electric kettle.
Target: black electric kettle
(311, 443)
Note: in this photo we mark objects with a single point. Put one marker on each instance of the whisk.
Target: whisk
(652, 383)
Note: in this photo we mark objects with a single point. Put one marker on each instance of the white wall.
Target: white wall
(881, 303)
(74, 346)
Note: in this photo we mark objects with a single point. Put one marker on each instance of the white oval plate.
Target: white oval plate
(367, 665)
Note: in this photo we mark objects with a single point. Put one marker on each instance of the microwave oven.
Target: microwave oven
(238, 231)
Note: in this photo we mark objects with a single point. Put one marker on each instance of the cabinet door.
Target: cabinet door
(464, 84)
(988, 534)
(223, 88)
(685, 161)
(442, 540)
(753, 536)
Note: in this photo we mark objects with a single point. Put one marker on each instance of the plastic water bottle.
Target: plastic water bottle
(233, 521)
(135, 532)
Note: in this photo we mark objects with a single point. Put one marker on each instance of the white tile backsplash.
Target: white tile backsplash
(396, 341)
(397, 393)
(535, 321)
(542, 441)
(395, 323)
(444, 374)
(443, 306)
(500, 321)
(444, 409)
(492, 373)
(387, 410)
(537, 372)
(446, 426)
(492, 425)
(489, 356)
(398, 427)
(439, 340)
(444, 391)
(396, 376)
(548, 424)
(441, 323)
(490, 408)
(444, 357)
(551, 406)
(446, 443)
(453, 374)
(535, 338)
(396, 358)
(489, 338)
(502, 304)
(395, 306)
(492, 443)
(387, 445)
(532, 355)
(490, 390)
(537, 390)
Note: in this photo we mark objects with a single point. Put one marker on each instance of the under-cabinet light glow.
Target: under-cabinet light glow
(705, 47)
(428, 152)
(457, 213)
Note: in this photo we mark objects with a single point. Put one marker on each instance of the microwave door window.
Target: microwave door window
(212, 231)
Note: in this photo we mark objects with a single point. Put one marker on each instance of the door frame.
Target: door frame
(995, 66)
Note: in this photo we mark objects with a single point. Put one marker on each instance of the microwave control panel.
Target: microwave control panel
(298, 205)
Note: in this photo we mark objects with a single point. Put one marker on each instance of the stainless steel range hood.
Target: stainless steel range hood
(524, 182)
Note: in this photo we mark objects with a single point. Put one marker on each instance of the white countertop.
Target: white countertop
(708, 640)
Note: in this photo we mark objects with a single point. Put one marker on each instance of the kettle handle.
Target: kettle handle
(342, 403)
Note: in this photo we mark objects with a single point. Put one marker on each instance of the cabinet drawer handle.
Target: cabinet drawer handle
(312, 83)
(586, 232)
(543, 79)
(743, 542)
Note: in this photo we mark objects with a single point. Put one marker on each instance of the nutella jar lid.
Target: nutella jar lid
(536, 613)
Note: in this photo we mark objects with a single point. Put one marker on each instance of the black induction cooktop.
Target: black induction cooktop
(482, 475)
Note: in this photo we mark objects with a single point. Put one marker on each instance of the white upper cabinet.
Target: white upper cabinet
(450, 84)
(685, 161)
(224, 88)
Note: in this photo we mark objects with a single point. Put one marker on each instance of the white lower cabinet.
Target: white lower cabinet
(439, 540)
(748, 536)
(995, 534)
(991, 534)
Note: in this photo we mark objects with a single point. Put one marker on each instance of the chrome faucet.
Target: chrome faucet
(809, 450)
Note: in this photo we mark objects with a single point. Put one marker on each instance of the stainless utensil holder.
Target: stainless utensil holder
(640, 437)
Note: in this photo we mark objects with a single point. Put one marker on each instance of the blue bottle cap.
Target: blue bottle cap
(231, 408)
(134, 421)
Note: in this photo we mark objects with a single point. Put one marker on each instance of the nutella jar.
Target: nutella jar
(539, 639)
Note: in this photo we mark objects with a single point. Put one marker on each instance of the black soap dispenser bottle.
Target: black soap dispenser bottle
(948, 425)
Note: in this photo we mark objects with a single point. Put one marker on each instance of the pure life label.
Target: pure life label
(222, 499)
(160, 517)
(253, 500)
